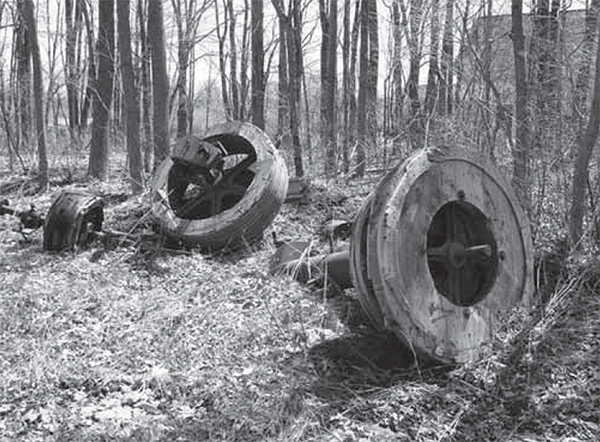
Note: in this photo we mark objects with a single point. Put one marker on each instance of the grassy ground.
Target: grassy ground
(142, 344)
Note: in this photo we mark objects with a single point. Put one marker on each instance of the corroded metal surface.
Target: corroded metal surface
(72, 219)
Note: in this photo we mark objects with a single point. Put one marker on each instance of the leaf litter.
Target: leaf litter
(147, 344)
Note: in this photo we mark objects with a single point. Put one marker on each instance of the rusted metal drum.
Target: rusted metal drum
(72, 219)
(439, 250)
(219, 191)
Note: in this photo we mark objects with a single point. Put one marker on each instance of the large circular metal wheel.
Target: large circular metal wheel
(361, 279)
(449, 249)
(229, 202)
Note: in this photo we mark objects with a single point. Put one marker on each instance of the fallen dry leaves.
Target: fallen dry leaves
(145, 344)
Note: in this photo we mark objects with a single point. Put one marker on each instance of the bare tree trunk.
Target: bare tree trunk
(72, 11)
(363, 78)
(98, 161)
(446, 81)
(183, 48)
(347, 89)
(52, 44)
(191, 92)
(307, 145)
(295, 76)
(116, 115)
(11, 139)
(283, 85)
(222, 38)
(291, 24)
(146, 89)
(586, 146)
(373, 72)
(416, 124)
(397, 74)
(544, 76)
(233, 75)
(23, 88)
(258, 61)
(581, 90)
(29, 19)
(160, 82)
(460, 65)
(520, 176)
(546, 52)
(367, 127)
(487, 119)
(132, 105)
(487, 49)
(91, 82)
(328, 16)
(244, 54)
(352, 92)
(431, 93)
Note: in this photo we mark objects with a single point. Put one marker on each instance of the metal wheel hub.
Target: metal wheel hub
(206, 179)
(461, 253)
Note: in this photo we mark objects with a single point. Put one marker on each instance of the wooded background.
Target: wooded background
(341, 86)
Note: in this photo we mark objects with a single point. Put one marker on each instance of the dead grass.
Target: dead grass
(142, 344)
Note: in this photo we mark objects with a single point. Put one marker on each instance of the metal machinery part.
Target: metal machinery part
(439, 249)
(294, 258)
(462, 253)
(29, 219)
(72, 221)
(221, 190)
(199, 185)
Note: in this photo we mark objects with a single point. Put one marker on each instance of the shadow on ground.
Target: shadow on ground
(371, 357)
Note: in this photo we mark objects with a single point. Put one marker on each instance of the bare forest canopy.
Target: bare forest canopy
(343, 87)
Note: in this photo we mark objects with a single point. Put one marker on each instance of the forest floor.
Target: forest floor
(145, 344)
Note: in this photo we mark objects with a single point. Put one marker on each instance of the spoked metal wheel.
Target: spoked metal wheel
(222, 190)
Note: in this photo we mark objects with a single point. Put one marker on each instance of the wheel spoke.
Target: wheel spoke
(457, 254)
(483, 250)
(213, 200)
(225, 195)
(230, 175)
(192, 205)
(455, 284)
(438, 254)
(216, 204)
(449, 221)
